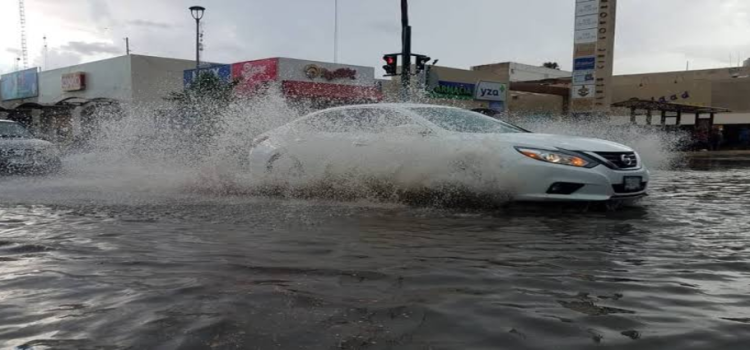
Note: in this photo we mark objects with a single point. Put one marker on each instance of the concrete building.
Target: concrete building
(517, 72)
(131, 78)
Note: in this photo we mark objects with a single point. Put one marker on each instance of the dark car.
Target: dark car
(21, 152)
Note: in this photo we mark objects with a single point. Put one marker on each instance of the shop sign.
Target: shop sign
(587, 7)
(584, 91)
(586, 36)
(459, 91)
(584, 77)
(74, 81)
(21, 84)
(221, 71)
(313, 72)
(584, 63)
(251, 74)
(490, 91)
(587, 22)
(582, 50)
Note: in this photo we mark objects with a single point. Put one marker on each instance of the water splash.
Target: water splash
(145, 152)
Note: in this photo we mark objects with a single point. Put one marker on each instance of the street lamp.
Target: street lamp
(197, 12)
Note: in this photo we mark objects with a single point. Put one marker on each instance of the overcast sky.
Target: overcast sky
(652, 35)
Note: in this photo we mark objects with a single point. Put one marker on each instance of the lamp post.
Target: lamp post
(197, 12)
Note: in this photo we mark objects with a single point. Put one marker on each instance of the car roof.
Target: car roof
(389, 105)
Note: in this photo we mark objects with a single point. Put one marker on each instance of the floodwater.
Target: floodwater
(81, 270)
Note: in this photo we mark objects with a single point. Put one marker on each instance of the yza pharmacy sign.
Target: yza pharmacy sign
(490, 91)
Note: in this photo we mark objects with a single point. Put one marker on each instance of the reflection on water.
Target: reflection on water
(204, 272)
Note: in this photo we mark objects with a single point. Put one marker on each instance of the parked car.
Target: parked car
(21, 152)
(552, 167)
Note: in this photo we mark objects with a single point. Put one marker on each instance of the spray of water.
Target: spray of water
(142, 152)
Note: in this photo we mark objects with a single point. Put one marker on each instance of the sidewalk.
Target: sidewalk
(728, 153)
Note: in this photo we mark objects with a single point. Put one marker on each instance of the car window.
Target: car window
(458, 120)
(355, 120)
(13, 130)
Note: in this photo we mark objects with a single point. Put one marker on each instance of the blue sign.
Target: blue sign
(497, 106)
(222, 71)
(18, 85)
(584, 63)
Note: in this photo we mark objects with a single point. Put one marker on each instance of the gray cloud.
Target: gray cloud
(87, 49)
(651, 35)
(149, 24)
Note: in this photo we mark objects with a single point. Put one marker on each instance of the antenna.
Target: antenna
(46, 51)
(24, 48)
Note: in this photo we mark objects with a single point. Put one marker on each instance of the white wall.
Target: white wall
(525, 72)
(155, 77)
(108, 78)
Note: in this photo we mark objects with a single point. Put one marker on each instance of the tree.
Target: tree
(551, 65)
(199, 107)
(207, 88)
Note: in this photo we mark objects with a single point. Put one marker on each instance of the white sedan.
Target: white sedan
(398, 139)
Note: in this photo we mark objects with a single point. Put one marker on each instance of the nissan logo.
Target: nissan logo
(628, 159)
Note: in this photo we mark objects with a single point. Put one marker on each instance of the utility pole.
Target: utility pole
(127, 46)
(336, 31)
(405, 51)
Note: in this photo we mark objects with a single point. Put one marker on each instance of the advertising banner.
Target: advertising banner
(586, 7)
(21, 84)
(74, 81)
(252, 74)
(490, 91)
(326, 73)
(585, 36)
(221, 71)
(584, 63)
(593, 55)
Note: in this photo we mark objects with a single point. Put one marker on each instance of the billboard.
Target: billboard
(21, 84)
(253, 73)
(490, 91)
(593, 55)
(222, 71)
(74, 81)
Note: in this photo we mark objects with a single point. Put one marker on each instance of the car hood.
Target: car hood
(551, 141)
(23, 143)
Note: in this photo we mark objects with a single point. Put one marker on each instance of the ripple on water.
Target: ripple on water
(196, 272)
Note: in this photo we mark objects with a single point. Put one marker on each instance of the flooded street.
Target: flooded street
(81, 270)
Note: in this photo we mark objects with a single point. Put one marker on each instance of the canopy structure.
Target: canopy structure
(668, 110)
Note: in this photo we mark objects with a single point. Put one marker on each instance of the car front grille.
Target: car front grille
(622, 160)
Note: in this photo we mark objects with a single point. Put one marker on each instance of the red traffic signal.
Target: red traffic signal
(391, 64)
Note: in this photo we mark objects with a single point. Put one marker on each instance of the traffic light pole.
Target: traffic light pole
(406, 51)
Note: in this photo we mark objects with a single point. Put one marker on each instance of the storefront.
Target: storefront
(317, 84)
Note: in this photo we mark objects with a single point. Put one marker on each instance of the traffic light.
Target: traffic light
(421, 62)
(391, 64)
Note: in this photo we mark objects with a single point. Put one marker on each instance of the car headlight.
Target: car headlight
(558, 157)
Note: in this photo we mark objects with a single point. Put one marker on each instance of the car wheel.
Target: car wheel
(281, 162)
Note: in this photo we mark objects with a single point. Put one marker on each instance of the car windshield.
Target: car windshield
(13, 130)
(458, 120)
